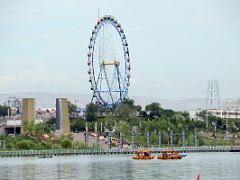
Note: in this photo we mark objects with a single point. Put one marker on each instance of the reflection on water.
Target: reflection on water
(208, 165)
(29, 172)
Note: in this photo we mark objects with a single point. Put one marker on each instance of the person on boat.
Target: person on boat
(145, 154)
(164, 155)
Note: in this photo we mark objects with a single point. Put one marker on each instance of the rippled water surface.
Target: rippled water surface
(209, 165)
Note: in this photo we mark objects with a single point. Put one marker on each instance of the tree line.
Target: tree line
(127, 116)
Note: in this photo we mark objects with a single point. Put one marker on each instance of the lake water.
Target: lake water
(212, 166)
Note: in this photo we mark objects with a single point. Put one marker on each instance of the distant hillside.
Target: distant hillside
(47, 100)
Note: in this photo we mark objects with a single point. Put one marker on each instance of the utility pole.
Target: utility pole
(213, 97)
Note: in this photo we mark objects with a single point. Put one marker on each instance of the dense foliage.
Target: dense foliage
(36, 129)
(3, 110)
(127, 117)
(26, 142)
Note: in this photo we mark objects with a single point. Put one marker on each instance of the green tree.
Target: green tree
(123, 126)
(127, 110)
(31, 127)
(41, 128)
(130, 103)
(155, 109)
(185, 114)
(138, 108)
(77, 124)
(92, 112)
(51, 123)
(109, 122)
(71, 107)
(25, 125)
(28, 127)
(124, 111)
(3, 110)
(168, 112)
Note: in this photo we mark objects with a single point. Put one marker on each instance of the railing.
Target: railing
(68, 152)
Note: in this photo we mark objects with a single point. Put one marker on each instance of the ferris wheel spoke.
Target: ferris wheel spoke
(108, 85)
(113, 89)
(119, 83)
(99, 78)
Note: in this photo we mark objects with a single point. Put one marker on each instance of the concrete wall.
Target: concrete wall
(62, 116)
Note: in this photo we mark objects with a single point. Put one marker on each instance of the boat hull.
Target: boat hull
(143, 158)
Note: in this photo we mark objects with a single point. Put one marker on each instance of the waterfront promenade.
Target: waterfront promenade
(72, 152)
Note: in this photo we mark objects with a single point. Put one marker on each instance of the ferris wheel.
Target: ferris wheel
(108, 62)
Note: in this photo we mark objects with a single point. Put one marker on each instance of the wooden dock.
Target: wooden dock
(74, 152)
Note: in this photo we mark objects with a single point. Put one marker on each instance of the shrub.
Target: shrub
(45, 145)
(26, 145)
(80, 145)
(33, 145)
(56, 146)
(9, 146)
(66, 143)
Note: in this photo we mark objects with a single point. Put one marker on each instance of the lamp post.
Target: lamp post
(159, 139)
(183, 138)
(222, 127)
(206, 119)
(14, 125)
(215, 126)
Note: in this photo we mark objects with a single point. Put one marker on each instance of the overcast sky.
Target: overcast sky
(175, 46)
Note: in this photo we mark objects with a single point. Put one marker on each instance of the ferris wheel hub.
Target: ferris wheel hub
(105, 63)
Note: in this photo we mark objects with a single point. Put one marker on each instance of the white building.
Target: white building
(231, 110)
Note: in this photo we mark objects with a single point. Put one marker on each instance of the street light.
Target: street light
(215, 129)
(14, 124)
